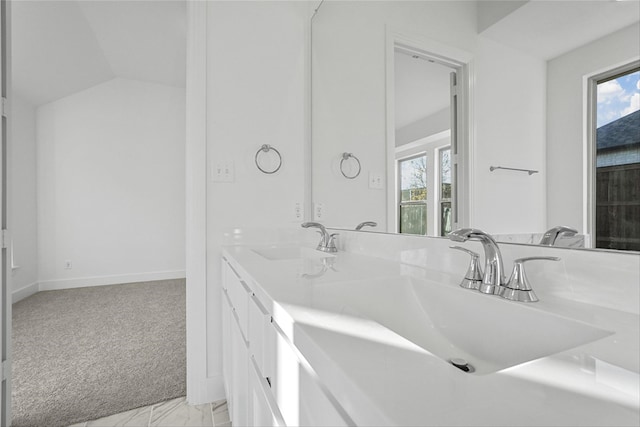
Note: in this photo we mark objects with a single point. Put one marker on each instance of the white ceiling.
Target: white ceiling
(547, 29)
(544, 29)
(62, 47)
(421, 88)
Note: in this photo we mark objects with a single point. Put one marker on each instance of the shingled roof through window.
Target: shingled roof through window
(622, 132)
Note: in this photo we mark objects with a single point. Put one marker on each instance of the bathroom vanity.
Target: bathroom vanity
(367, 337)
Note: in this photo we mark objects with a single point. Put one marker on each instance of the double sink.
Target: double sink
(477, 333)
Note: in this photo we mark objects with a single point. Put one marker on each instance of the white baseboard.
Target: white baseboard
(25, 291)
(205, 390)
(81, 282)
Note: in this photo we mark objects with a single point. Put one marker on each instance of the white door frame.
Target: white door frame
(199, 388)
(5, 268)
(461, 61)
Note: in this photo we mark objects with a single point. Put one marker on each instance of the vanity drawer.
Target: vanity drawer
(239, 294)
(259, 325)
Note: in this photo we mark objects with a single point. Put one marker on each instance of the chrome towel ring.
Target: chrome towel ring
(345, 157)
(265, 149)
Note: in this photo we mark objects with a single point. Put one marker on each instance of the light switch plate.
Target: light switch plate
(376, 181)
(223, 171)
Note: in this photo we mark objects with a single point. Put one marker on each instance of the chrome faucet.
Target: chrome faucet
(493, 267)
(550, 236)
(366, 224)
(327, 242)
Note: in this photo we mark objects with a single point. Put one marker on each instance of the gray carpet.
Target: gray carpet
(81, 354)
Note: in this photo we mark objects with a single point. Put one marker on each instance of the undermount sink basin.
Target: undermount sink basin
(487, 332)
(279, 253)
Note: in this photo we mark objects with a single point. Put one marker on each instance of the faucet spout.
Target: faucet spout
(323, 231)
(550, 236)
(493, 265)
(366, 224)
(327, 243)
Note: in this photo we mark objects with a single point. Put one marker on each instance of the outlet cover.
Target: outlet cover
(298, 211)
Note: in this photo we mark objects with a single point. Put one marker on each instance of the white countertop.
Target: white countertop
(380, 378)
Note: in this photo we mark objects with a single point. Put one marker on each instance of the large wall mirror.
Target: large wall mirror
(432, 115)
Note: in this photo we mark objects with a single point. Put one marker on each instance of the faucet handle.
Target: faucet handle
(518, 287)
(473, 277)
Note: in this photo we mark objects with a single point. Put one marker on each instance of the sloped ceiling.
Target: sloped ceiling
(547, 29)
(62, 47)
(543, 29)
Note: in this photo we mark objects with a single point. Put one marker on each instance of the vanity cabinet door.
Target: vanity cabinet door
(226, 348)
(263, 408)
(239, 356)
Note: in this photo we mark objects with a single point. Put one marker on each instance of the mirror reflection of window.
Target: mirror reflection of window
(444, 166)
(413, 195)
(617, 160)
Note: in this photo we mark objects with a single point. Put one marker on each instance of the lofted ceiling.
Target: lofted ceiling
(547, 29)
(62, 47)
(543, 29)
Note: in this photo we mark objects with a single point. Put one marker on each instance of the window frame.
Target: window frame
(399, 202)
(591, 104)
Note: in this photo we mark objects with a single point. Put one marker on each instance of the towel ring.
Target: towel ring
(266, 148)
(346, 156)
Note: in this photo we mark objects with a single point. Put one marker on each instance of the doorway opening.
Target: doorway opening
(425, 122)
(96, 206)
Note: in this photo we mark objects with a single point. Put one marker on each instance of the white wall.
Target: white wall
(23, 197)
(509, 116)
(565, 124)
(435, 123)
(507, 108)
(111, 185)
(256, 85)
(349, 94)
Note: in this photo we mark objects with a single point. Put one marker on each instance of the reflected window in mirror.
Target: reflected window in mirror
(412, 195)
(616, 169)
(444, 167)
(424, 191)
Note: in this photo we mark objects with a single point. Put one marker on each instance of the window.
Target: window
(444, 166)
(615, 181)
(413, 195)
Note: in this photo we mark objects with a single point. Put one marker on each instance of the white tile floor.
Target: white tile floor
(175, 412)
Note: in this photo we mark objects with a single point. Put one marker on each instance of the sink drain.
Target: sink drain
(463, 365)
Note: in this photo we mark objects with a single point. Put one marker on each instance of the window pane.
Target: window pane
(445, 174)
(413, 219)
(413, 179)
(617, 190)
(445, 218)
